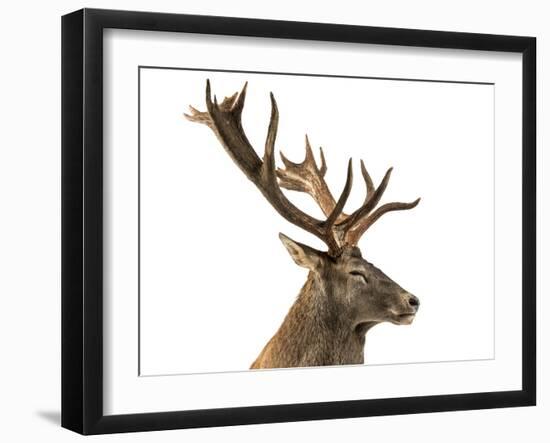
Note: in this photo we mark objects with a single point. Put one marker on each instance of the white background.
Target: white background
(29, 176)
(215, 281)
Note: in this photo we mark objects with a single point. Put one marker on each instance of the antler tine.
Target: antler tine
(268, 167)
(370, 203)
(355, 233)
(357, 223)
(339, 207)
(238, 104)
(368, 181)
(336, 240)
(323, 169)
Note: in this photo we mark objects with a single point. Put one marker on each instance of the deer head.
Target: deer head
(355, 294)
(360, 293)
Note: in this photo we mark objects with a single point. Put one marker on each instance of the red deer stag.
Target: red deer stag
(344, 295)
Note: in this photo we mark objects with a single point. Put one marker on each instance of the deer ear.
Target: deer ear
(303, 255)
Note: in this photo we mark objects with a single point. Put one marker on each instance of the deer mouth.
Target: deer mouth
(405, 319)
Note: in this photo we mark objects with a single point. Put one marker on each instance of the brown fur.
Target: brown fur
(327, 323)
(312, 335)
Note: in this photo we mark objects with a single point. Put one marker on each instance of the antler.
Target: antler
(307, 177)
(225, 121)
(338, 230)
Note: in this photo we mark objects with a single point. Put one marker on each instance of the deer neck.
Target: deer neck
(316, 332)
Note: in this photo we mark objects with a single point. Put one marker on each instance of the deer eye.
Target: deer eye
(360, 274)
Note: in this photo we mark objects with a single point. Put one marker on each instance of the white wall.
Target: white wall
(30, 218)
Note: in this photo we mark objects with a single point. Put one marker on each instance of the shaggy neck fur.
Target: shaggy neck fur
(313, 334)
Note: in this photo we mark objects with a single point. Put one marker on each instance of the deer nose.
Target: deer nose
(413, 301)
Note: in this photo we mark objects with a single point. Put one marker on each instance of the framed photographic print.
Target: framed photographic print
(270, 221)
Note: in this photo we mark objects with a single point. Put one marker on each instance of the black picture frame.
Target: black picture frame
(82, 220)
